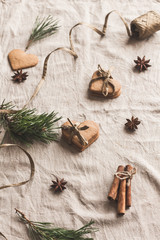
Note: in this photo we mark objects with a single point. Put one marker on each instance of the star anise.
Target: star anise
(142, 64)
(132, 124)
(19, 76)
(59, 185)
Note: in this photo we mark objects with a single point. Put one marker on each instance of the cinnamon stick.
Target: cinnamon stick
(112, 195)
(128, 187)
(122, 197)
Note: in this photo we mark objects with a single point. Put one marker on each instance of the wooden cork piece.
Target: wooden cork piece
(91, 134)
(95, 87)
(19, 59)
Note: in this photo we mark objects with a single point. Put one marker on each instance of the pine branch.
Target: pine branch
(25, 126)
(42, 28)
(46, 231)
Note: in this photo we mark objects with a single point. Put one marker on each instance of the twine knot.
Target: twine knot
(106, 77)
(75, 130)
(122, 175)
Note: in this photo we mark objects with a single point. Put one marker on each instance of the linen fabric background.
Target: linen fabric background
(90, 173)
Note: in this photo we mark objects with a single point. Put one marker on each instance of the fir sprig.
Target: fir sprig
(42, 28)
(46, 231)
(25, 126)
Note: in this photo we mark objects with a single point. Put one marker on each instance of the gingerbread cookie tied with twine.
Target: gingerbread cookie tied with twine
(81, 135)
(103, 85)
(19, 59)
(121, 188)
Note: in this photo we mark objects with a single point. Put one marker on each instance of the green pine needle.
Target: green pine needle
(25, 126)
(46, 231)
(42, 28)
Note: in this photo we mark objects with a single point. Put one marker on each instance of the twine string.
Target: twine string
(143, 26)
(123, 20)
(126, 175)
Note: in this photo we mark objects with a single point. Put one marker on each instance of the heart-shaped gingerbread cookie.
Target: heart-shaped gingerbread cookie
(103, 85)
(82, 135)
(19, 59)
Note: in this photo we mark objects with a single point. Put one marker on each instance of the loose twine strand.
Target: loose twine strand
(32, 166)
(145, 25)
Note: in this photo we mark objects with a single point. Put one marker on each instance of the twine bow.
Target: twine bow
(122, 175)
(74, 129)
(106, 77)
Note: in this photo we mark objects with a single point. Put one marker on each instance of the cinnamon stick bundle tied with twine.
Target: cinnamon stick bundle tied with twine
(121, 187)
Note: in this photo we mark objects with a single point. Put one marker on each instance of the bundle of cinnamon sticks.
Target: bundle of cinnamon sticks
(121, 188)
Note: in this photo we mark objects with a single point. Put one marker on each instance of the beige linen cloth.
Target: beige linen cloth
(90, 173)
